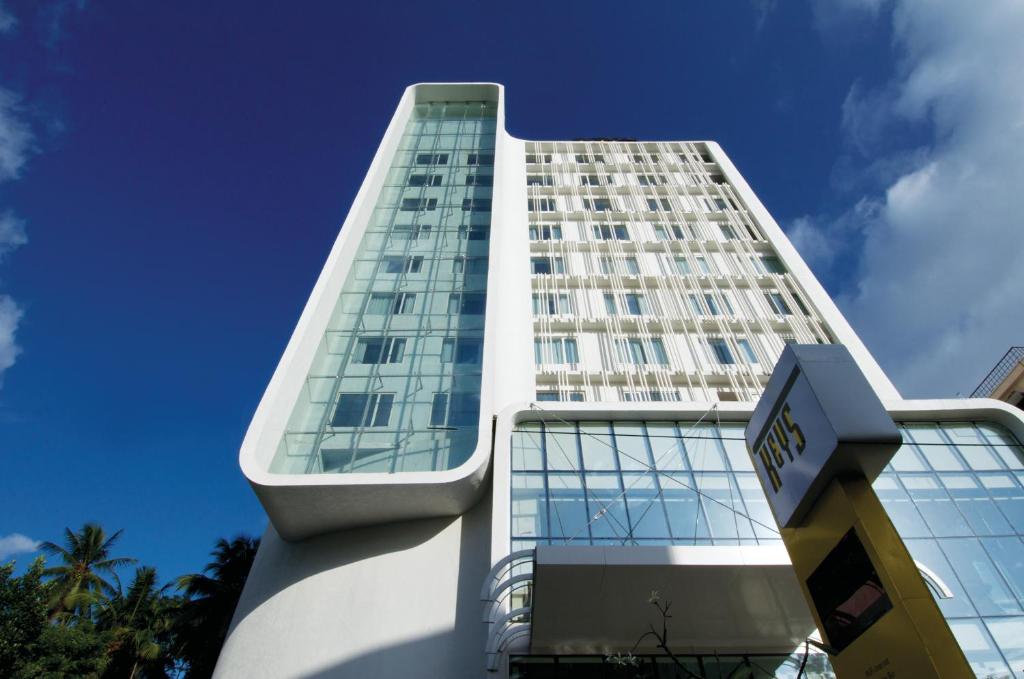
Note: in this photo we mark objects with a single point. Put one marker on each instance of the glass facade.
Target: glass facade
(661, 667)
(395, 383)
(954, 492)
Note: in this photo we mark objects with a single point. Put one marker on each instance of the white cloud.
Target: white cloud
(16, 138)
(12, 233)
(16, 543)
(10, 316)
(938, 293)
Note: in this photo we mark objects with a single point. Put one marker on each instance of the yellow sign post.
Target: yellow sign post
(818, 437)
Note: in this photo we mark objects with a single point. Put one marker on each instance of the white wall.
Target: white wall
(400, 601)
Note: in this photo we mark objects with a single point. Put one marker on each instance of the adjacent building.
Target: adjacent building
(511, 415)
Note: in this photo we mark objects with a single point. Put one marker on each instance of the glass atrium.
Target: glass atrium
(395, 383)
(954, 491)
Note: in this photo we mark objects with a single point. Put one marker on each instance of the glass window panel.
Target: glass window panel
(972, 446)
(526, 447)
(985, 586)
(560, 446)
(605, 495)
(735, 446)
(900, 508)
(927, 553)
(1009, 497)
(631, 444)
(1007, 553)
(567, 507)
(529, 506)
(439, 409)
(935, 506)
(646, 514)
(1004, 443)
(933, 447)
(757, 506)
(666, 446)
(702, 446)
(596, 443)
(974, 503)
(1008, 634)
(722, 503)
(981, 653)
(907, 460)
(349, 412)
(685, 515)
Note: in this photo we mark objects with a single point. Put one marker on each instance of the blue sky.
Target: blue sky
(172, 176)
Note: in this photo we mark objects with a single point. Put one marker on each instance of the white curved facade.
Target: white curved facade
(632, 282)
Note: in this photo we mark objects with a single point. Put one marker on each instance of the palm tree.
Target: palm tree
(210, 601)
(80, 582)
(140, 621)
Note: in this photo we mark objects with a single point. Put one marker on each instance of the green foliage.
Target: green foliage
(210, 601)
(75, 620)
(64, 652)
(22, 615)
(81, 581)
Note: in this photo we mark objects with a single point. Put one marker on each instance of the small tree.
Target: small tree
(23, 605)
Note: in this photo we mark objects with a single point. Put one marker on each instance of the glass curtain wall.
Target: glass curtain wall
(954, 492)
(395, 384)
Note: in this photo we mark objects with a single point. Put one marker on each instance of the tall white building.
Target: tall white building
(513, 406)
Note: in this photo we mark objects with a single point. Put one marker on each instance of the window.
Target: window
(480, 159)
(695, 306)
(555, 351)
(720, 204)
(467, 303)
(545, 232)
(777, 303)
(363, 410)
(375, 350)
(403, 232)
(597, 204)
(473, 232)
(655, 204)
(418, 204)
(634, 351)
(635, 304)
(534, 158)
(425, 180)
(382, 303)
(650, 179)
(583, 158)
(747, 350)
(455, 409)
(479, 180)
(720, 350)
(608, 231)
(431, 158)
(682, 266)
(575, 396)
(541, 205)
(610, 307)
(727, 232)
(476, 204)
(472, 266)
(393, 264)
(702, 265)
(463, 351)
(772, 264)
(540, 180)
(672, 231)
(590, 180)
(632, 268)
(598, 158)
(550, 304)
(800, 303)
(715, 307)
(653, 395)
(606, 265)
(547, 265)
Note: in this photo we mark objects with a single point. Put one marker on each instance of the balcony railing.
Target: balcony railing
(1003, 368)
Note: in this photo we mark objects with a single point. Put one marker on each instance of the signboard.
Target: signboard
(818, 418)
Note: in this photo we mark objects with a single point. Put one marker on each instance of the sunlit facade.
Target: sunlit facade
(513, 407)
